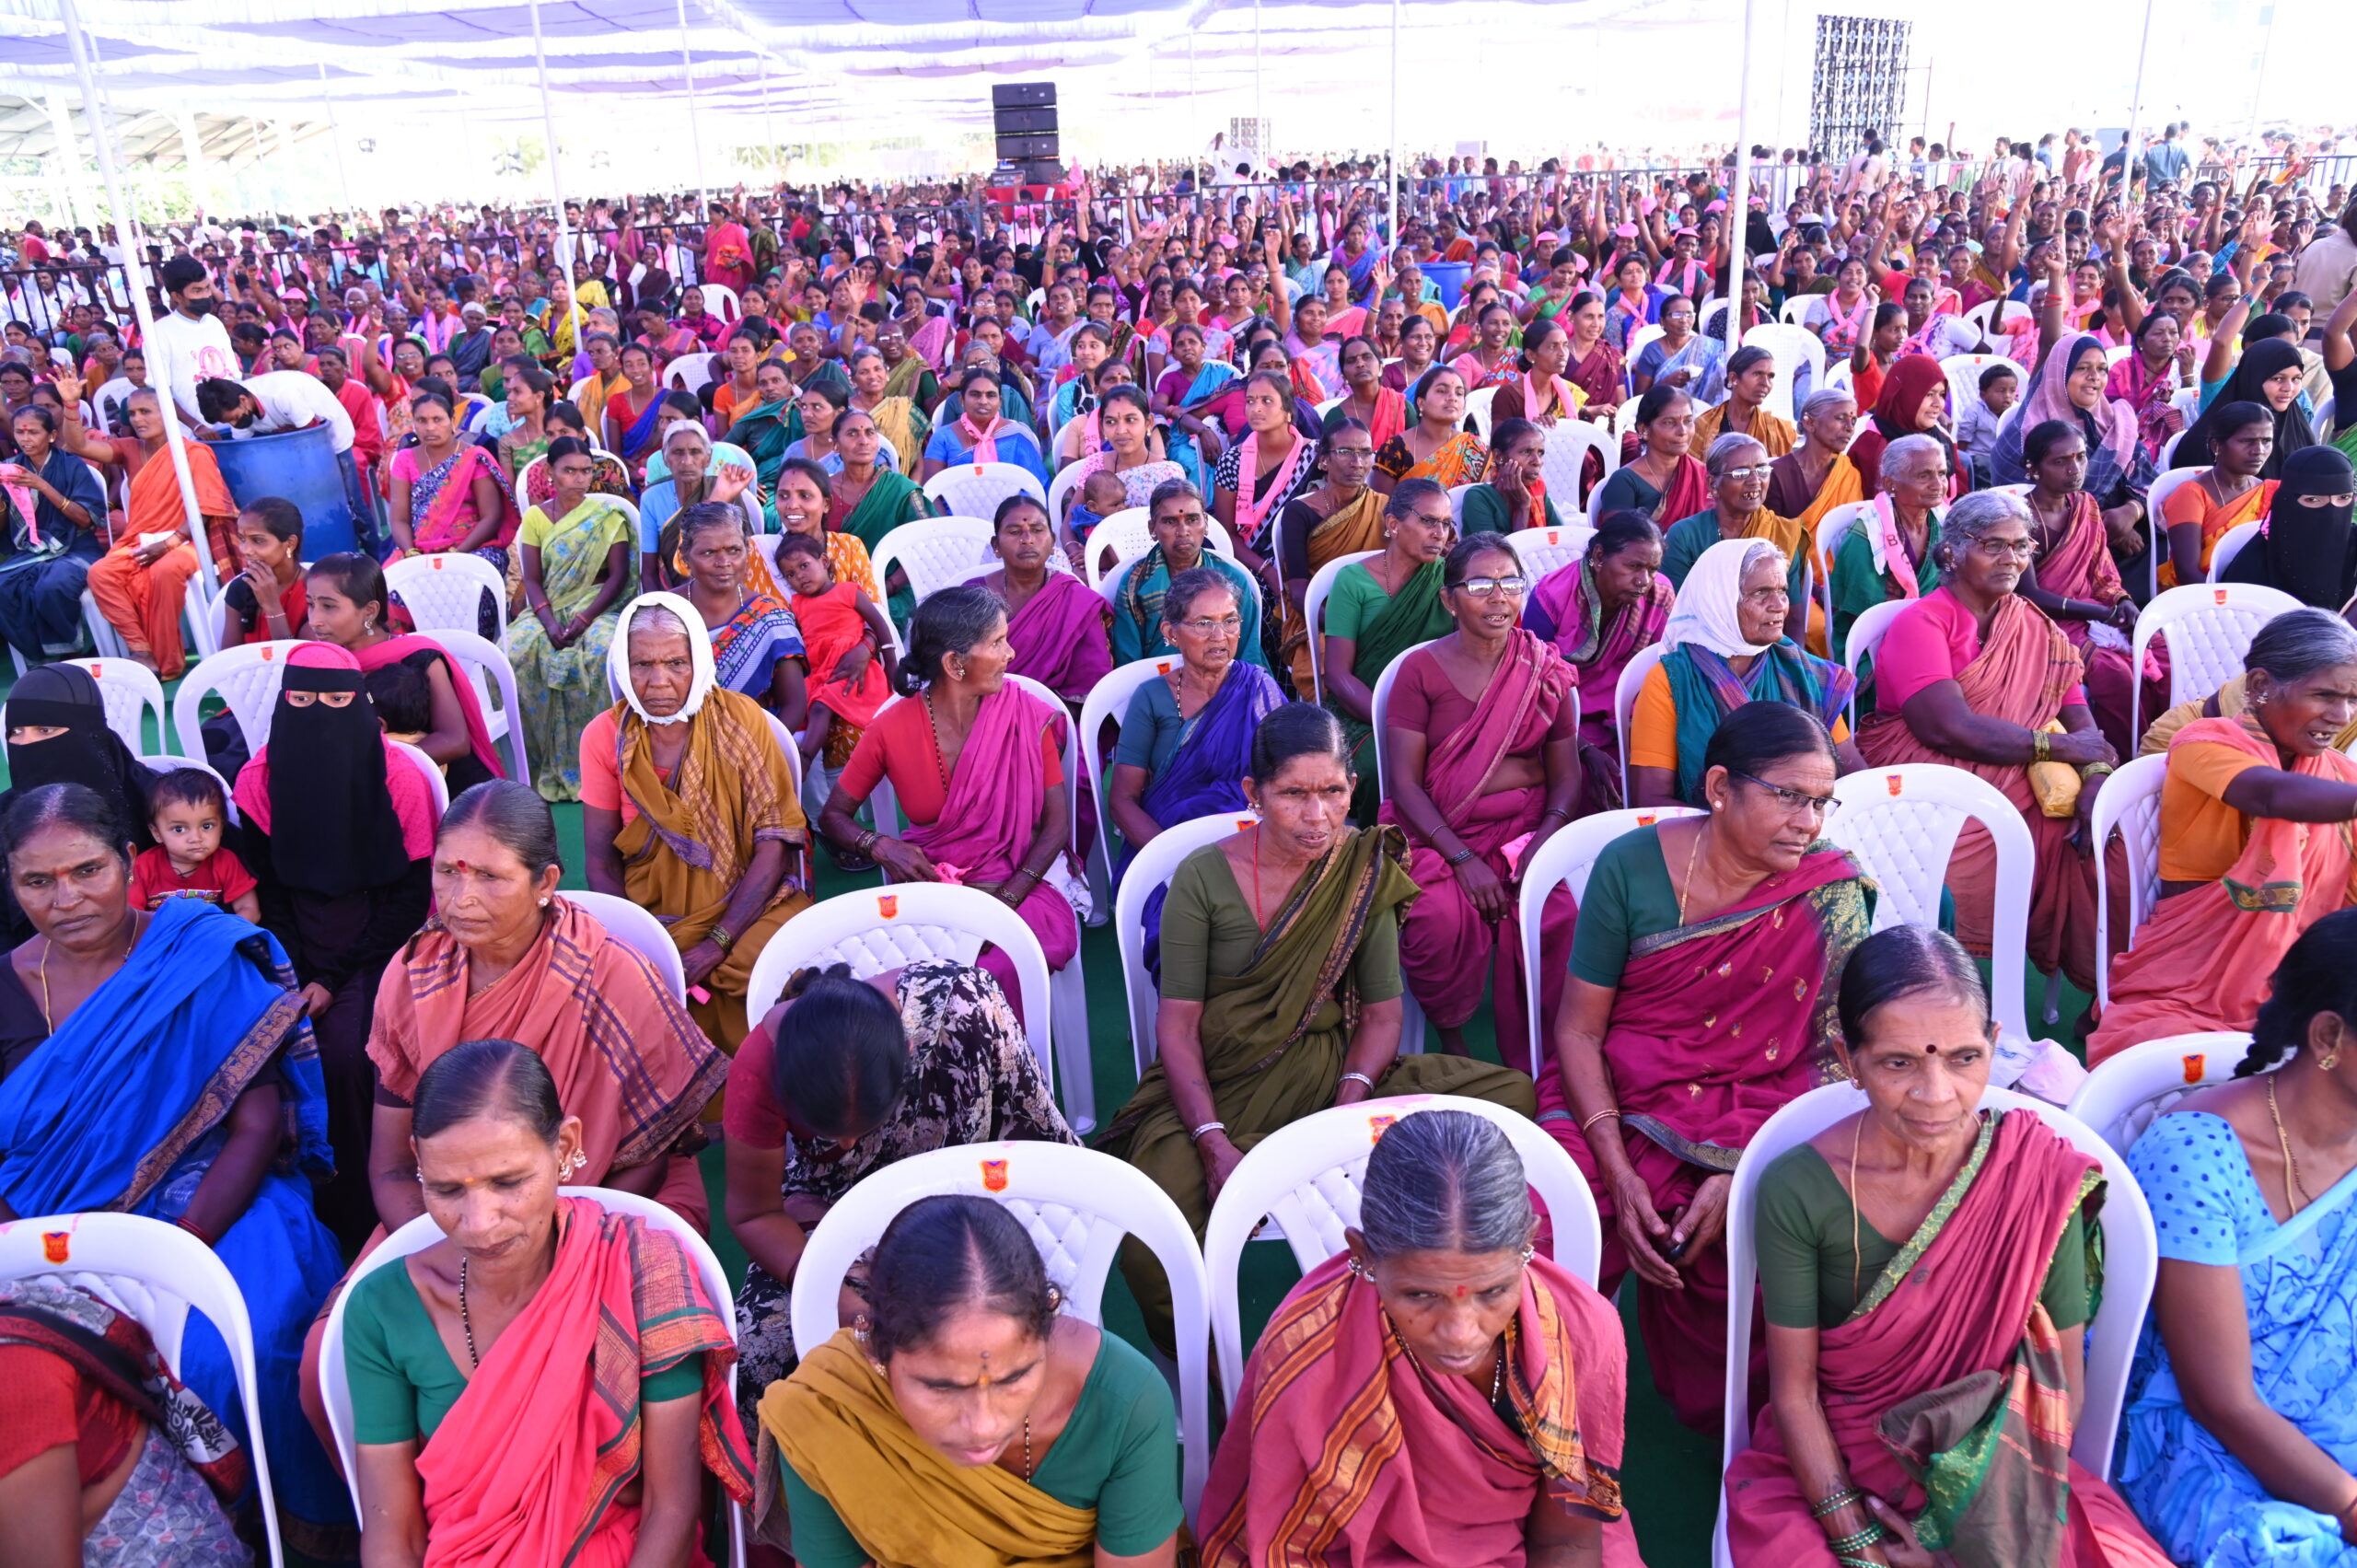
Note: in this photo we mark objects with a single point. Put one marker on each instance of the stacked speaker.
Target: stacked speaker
(1024, 116)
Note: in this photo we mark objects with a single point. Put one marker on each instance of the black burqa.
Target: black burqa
(2308, 551)
(63, 696)
(2261, 362)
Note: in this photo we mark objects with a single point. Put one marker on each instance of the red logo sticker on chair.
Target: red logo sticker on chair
(55, 1245)
(994, 1176)
(2195, 1065)
(888, 906)
(1377, 1126)
(1647, 820)
(268, 653)
(2218, 595)
(1894, 783)
(435, 562)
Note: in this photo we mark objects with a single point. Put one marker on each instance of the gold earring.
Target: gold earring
(860, 1328)
(1529, 1251)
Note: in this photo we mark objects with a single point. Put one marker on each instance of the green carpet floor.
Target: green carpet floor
(1670, 1473)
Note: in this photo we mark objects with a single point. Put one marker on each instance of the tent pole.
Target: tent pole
(79, 208)
(335, 134)
(1393, 239)
(2266, 46)
(695, 129)
(1739, 188)
(556, 184)
(135, 270)
(1259, 131)
(2129, 144)
(769, 121)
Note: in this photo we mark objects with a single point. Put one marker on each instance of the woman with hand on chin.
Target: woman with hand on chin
(1512, 495)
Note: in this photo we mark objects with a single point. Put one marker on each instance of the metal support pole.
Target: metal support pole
(556, 185)
(695, 130)
(1393, 239)
(2129, 148)
(2266, 46)
(1739, 189)
(159, 376)
(335, 134)
(1259, 131)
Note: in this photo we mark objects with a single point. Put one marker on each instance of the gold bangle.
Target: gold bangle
(1595, 1117)
(2041, 745)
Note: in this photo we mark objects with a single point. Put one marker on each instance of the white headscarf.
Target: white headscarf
(699, 649)
(1705, 614)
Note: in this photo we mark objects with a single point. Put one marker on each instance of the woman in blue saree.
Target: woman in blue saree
(973, 432)
(2253, 1187)
(1186, 388)
(54, 510)
(200, 1011)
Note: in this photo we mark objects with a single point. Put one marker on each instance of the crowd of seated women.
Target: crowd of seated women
(348, 1009)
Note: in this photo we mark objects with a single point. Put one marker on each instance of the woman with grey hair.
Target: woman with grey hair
(1886, 552)
(1738, 467)
(1438, 1392)
(2236, 811)
(1815, 477)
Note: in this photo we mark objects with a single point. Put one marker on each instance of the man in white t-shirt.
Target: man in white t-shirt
(190, 343)
(279, 400)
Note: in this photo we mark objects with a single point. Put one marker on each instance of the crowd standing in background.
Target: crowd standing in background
(1385, 565)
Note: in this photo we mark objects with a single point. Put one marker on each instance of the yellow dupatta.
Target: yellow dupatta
(905, 1504)
(895, 417)
(1350, 530)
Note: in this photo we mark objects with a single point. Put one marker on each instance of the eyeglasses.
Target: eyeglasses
(1792, 801)
(1437, 519)
(1205, 626)
(1753, 470)
(1489, 588)
(1998, 549)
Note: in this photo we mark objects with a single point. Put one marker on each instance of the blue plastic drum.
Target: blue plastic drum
(301, 466)
(1450, 278)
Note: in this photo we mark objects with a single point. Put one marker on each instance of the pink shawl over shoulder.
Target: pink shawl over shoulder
(991, 811)
(391, 649)
(1058, 637)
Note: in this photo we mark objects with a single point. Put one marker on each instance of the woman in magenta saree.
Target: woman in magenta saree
(2075, 581)
(1479, 786)
(1701, 1002)
(1598, 614)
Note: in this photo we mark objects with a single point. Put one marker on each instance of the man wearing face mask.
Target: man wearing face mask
(190, 343)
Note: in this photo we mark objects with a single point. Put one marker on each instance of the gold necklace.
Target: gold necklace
(47, 948)
(1691, 855)
(2299, 1198)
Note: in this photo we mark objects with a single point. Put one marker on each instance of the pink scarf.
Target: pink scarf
(984, 442)
(1537, 391)
(1250, 513)
(1843, 331)
(1890, 550)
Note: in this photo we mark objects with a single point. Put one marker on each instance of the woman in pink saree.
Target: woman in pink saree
(1700, 1001)
(1926, 1271)
(976, 763)
(1480, 784)
(1598, 613)
(1054, 621)
(2075, 581)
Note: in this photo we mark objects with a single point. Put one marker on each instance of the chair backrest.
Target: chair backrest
(246, 679)
(1381, 699)
(1156, 864)
(1624, 699)
(335, 1385)
(2125, 1093)
(2165, 484)
(129, 692)
(1964, 378)
(1309, 1175)
(446, 591)
(2210, 626)
(1477, 408)
(486, 666)
(167, 761)
(2231, 544)
(1060, 488)
(2129, 802)
(436, 785)
(639, 931)
(689, 372)
(524, 475)
(1793, 309)
(1542, 551)
(2132, 1261)
(1108, 702)
(1456, 495)
(1077, 1204)
(886, 928)
(1866, 634)
(1569, 441)
(1830, 535)
(1121, 536)
(1792, 347)
(932, 551)
(1313, 603)
(1565, 861)
(1902, 824)
(721, 300)
(1639, 339)
(974, 490)
(155, 1272)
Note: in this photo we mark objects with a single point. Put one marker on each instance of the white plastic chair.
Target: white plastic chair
(1069, 428)
(429, 769)
(2126, 1093)
(689, 372)
(444, 591)
(2210, 626)
(640, 932)
(2132, 1261)
(1793, 309)
(2129, 802)
(246, 679)
(1830, 535)
(156, 1273)
(486, 666)
(2231, 544)
(335, 1384)
(1154, 866)
(2168, 448)
(1477, 408)
(721, 300)
(892, 927)
(1108, 702)
(1902, 824)
(1078, 1205)
(1456, 495)
(1569, 441)
(129, 692)
(165, 762)
(1217, 540)
(1068, 478)
(1866, 634)
(974, 490)
(1307, 1174)
(1313, 604)
(1792, 347)
(932, 551)
(1118, 537)
(1624, 700)
(2165, 484)
(1565, 861)
(1964, 371)
(1543, 551)
(1380, 696)
(1638, 341)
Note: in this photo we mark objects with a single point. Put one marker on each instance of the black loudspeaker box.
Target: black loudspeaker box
(1023, 95)
(1024, 121)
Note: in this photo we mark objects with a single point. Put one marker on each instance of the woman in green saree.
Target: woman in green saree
(1379, 610)
(901, 422)
(1280, 985)
(576, 555)
(870, 498)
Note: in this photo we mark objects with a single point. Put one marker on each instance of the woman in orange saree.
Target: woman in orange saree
(1974, 676)
(1375, 1427)
(596, 1391)
(139, 585)
(2201, 511)
(1925, 1314)
(2255, 840)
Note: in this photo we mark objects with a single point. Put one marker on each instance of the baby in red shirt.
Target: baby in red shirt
(185, 813)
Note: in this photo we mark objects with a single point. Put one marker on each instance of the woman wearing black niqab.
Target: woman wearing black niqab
(2306, 547)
